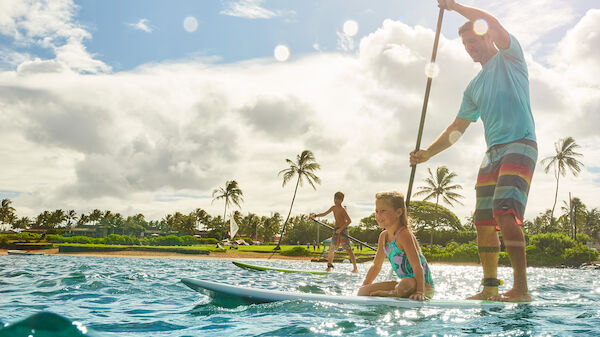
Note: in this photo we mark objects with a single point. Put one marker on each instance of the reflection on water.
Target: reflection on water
(109, 296)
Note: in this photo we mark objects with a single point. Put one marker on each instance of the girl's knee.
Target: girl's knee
(405, 288)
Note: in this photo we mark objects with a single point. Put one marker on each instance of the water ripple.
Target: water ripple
(141, 297)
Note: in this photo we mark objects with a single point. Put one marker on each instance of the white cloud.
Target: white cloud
(518, 18)
(48, 25)
(252, 9)
(141, 25)
(127, 141)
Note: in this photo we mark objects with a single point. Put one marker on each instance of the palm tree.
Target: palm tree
(592, 221)
(232, 194)
(202, 218)
(22, 223)
(304, 167)
(71, 217)
(565, 158)
(570, 212)
(438, 186)
(7, 212)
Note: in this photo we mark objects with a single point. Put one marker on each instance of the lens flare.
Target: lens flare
(454, 136)
(282, 53)
(350, 28)
(190, 24)
(432, 70)
(480, 27)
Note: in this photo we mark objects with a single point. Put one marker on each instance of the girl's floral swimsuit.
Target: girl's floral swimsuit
(400, 263)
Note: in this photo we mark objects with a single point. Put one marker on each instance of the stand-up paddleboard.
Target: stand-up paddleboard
(227, 293)
(23, 252)
(260, 268)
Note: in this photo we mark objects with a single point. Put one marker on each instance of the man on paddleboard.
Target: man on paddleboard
(499, 95)
(340, 236)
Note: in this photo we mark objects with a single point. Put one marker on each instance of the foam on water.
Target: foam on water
(106, 296)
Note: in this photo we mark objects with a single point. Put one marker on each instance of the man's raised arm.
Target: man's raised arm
(498, 34)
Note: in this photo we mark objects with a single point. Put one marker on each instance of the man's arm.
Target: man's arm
(497, 32)
(444, 141)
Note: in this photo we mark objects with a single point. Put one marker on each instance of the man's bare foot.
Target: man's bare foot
(355, 270)
(485, 294)
(512, 296)
(328, 269)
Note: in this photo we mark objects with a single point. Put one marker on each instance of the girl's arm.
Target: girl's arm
(377, 262)
(408, 243)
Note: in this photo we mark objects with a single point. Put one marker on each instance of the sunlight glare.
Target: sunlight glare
(480, 27)
(454, 136)
(350, 28)
(190, 24)
(282, 53)
(432, 70)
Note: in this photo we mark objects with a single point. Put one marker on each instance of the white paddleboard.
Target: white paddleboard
(255, 295)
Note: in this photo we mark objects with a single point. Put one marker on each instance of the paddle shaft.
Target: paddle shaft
(425, 101)
(350, 237)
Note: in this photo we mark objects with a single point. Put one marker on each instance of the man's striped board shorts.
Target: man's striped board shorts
(503, 181)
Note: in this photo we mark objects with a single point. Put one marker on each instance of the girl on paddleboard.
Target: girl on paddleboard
(401, 248)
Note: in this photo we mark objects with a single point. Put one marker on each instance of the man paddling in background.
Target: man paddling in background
(340, 236)
(499, 94)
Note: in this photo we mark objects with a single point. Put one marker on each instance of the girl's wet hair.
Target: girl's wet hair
(396, 200)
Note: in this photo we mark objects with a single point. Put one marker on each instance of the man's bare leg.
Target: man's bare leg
(514, 241)
(489, 249)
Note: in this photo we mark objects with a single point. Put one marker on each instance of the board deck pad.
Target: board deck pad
(261, 268)
(225, 293)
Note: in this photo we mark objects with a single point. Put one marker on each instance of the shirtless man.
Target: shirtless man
(340, 236)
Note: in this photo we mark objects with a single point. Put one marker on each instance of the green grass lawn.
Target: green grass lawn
(213, 249)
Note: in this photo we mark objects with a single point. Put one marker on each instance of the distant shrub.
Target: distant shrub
(453, 252)
(4, 241)
(296, 251)
(188, 240)
(583, 238)
(116, 239)
(578, 255)
(208, 241)
(503, 259)
(248, 240)
(28, 236)
(552, 243)
(169, 240)
(444, 237)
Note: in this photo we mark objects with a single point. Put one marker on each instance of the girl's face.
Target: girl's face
(385, 214)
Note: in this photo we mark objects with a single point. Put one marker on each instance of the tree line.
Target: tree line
(426, 216)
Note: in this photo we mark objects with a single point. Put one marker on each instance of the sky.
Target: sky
(148, 106)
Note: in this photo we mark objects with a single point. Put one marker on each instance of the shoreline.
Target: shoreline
(229, 255)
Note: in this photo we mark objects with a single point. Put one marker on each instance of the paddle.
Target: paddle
(351, 238)
(425, 101)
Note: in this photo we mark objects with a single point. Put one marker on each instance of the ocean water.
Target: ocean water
(111, 296)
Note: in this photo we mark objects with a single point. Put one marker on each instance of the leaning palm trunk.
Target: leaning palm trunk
(289, 213)
(555, 198)
(436, 219)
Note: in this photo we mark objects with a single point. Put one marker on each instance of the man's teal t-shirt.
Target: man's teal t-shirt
(499, 94)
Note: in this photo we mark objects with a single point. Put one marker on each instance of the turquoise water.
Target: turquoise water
(106, 296)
